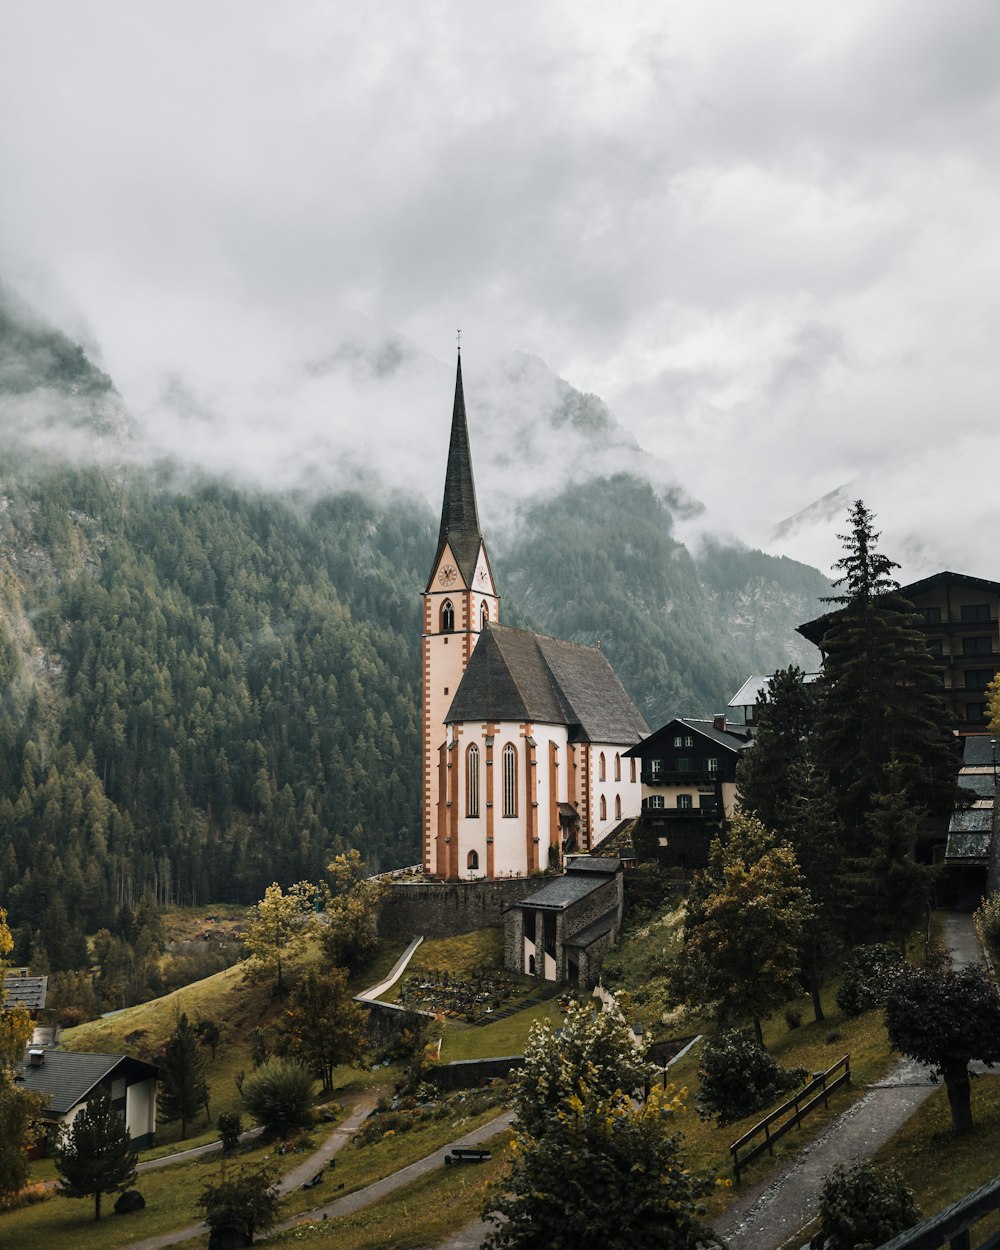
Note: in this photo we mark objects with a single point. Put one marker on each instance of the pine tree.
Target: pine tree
(183, 1089)
(878, 695)
(95, 1154)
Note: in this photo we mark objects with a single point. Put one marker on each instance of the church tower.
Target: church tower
(459, 600)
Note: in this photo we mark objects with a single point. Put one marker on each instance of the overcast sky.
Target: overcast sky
(767, 234)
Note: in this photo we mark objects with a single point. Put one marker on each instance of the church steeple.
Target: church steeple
(459, 516)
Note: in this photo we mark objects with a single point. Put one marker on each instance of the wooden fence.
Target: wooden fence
(796, 1109)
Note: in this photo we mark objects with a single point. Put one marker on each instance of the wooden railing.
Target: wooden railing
(807, 1099)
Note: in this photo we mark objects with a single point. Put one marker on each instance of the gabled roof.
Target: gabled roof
(459, 515)
(68, 1076)
(23, 991)
(750, 691)
(515, 675)
(580, 879)
(730, 739)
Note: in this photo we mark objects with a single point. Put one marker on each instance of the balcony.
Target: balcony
(692, 777)
(681, 813)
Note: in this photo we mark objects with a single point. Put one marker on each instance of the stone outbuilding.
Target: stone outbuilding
(562, 931)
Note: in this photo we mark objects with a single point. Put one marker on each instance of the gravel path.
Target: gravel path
(768, 1215)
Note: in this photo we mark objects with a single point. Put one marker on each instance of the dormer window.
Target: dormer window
(447, 617)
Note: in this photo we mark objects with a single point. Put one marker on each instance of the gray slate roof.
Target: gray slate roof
(977, 752)
(968, 846)
(459, 515)
(583, 876)
(515, 675)
(24, 991)
(980, 783)
(596, 929)
(975, 820)
(68, 1076)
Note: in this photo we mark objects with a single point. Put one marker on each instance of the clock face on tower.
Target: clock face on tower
(448, 575)
(482, 577)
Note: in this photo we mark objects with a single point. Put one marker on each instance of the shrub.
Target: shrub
(863, 1206)
(864, 980)
(230, 1128)
(793, 1017)
(987, 918)
(739, 1077)
(241, 1204)
(279, 1096)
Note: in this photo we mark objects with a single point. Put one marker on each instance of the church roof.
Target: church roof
(514, 675)
(459, 516)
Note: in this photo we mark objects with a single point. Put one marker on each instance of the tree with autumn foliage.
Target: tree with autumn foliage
(593, 1167)
(352, 907)
(745, 927)
(323, 1026)
(19, 1110)
(278, 929)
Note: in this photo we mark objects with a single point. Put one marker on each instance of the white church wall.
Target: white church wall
(627, 791)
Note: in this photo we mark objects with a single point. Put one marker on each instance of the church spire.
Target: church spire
(459, 516)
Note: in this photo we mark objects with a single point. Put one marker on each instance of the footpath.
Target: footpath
(763, 1217)
(770, 1214)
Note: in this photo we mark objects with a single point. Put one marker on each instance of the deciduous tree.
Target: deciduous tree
(744, 932)
(945, 1018)
(594, 1169)
(19, 1109)
(95, 1155)
(246, 1202)
(278, 928)
(352, 908)
(323, 1026)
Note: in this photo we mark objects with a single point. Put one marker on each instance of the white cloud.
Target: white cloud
(765, 234)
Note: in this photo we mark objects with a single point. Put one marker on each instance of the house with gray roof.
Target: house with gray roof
(561, 931)
(688, 776)
(67, 1079)
(524, 736)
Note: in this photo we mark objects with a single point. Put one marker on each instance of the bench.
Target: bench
(467, 1154)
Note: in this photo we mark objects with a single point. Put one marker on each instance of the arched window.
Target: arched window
(472, 781)
(618, 807)
(618, 766)
(484, 616)
(509, 780)
(601, 768)
(447, 617)
(473, 861)
(604, 808)
(631, 764)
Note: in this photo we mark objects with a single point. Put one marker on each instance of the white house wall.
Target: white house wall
(629, 792)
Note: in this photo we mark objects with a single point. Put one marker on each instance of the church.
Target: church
(524, 736)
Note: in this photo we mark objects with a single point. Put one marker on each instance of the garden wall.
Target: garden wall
(442, 909)
(469, 1073)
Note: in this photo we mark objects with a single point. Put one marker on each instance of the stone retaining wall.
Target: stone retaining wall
(441, 909)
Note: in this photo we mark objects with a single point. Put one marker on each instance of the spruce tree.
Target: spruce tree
(878, 693)
(807, 816)
(183, 1089)
(784, 715)
(95, 1155)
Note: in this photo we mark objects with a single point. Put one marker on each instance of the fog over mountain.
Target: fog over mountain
(765, 235)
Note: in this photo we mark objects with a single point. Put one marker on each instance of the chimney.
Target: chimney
(36, 1058)
(719, 722)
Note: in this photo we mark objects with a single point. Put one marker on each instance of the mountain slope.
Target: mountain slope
(205, 687)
